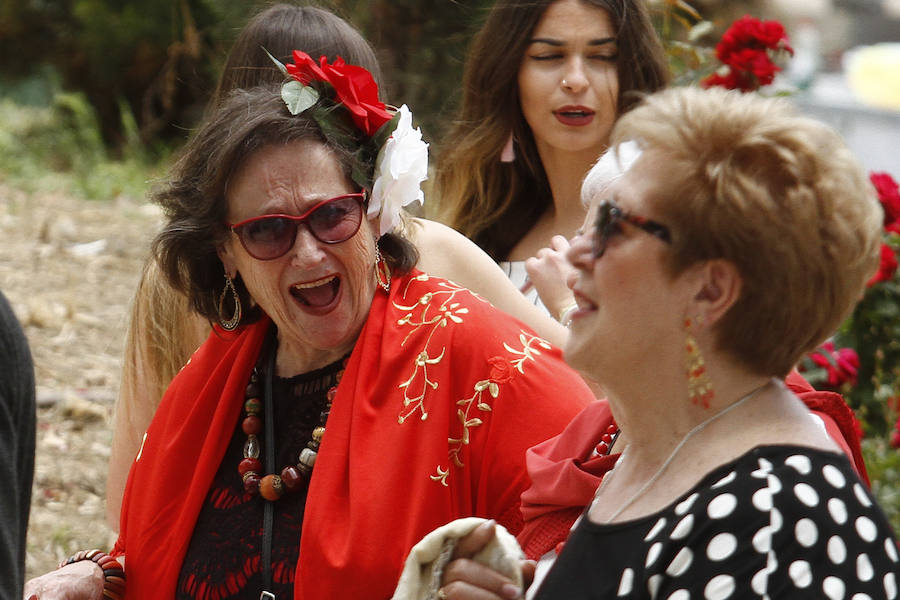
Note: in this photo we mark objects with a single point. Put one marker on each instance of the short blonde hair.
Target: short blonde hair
(777, 194)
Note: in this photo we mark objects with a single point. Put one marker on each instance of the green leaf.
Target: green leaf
(298, 97)
(277, 62)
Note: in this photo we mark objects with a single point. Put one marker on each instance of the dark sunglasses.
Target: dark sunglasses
(609, 217)
(332, 221)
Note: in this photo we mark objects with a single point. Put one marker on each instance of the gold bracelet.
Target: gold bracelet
(113, 573)
(565, 314)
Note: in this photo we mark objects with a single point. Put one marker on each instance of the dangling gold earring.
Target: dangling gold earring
(382, 271)
(235, 320)
(700, 388)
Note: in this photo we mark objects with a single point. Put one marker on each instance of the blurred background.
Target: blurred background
(97, 95)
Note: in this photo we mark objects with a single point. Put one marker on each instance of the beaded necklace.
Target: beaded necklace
(293, 478)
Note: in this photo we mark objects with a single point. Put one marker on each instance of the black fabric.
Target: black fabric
(17, 431)
(223, 559)
(779, 522)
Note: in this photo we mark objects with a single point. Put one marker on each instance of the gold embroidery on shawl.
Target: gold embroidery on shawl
(420, 316)
(431, 313)
(502, 371)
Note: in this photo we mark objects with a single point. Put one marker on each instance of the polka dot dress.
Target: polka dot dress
(779, 522)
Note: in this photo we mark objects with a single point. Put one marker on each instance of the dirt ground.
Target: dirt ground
(69, 268)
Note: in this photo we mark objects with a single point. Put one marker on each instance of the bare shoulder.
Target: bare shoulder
(444, 252)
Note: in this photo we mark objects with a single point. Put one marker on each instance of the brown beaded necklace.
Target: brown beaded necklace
(293, 478)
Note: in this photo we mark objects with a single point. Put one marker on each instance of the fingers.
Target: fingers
(477, 539)
(559, 243)
(469, 580)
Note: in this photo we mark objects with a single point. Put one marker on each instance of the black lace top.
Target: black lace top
(223, 559)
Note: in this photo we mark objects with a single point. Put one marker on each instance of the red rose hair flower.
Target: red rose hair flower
(353, 85)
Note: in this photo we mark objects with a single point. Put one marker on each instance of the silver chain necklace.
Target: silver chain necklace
(697, 429)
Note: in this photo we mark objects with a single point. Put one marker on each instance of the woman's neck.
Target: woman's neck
(657, 412)
(565, 172)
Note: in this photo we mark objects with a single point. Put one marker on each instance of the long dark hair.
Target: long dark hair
(494, 203)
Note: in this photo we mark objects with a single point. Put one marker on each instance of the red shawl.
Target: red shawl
(563, 482)
(440, 399)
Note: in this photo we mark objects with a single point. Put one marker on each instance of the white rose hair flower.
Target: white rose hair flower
(400, 169)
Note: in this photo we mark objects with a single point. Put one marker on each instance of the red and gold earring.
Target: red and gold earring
(700, 389)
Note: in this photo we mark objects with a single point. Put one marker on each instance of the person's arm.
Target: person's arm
(549, 271)
(17, 433)
(444, 252)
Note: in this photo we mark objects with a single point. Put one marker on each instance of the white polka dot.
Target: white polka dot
(834, 588)
(765, 464)
(775, 520)
(721, 546)
(838, 510)
(721, 506)
(834, 476)
(864, 570)
(685, 505)
(773, 483)
(679, 595)
(762, 499)
(866, 529)
(837, 550)
(800, 573)
(762, 540)
(683, 528)
(655, 530)
(626, 584)
(891, 549)
(806, 494)
(890, 586)
(861, 597)
(720, 587)
(681, 563)
(760, 582)
(653, 554)
(653, 584)
(725, 480)
(806, 532)
(861, 495)
(801, 463)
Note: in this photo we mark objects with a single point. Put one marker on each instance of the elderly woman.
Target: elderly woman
(699, 286)
(347, 404)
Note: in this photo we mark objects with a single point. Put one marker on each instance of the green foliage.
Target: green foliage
(873, 330)
(883, 464)
(59, 147)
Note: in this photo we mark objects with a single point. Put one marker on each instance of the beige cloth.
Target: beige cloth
(424, 567)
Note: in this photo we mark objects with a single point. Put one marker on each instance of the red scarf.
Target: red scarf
(491, 389)
(563, 482)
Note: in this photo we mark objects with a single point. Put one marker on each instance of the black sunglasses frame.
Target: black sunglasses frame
(609, 213)
(297, 221)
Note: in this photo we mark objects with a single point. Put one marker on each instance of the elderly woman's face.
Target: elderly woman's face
(628, 303)
(317, 294)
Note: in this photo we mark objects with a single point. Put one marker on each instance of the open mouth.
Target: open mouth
(574, 115)
(317, 294)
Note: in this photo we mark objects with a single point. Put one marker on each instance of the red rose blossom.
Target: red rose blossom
(744, 50)
(888, 195)
(353, 85)
(841, 365)
(886, 268)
